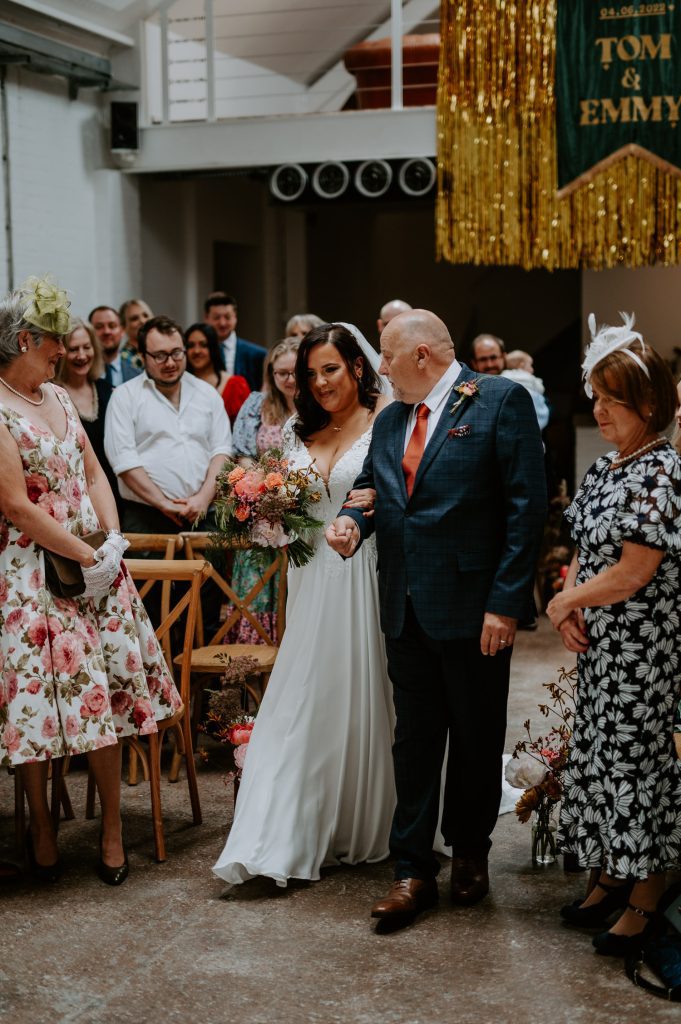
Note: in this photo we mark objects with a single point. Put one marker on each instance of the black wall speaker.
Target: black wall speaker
(124, 132)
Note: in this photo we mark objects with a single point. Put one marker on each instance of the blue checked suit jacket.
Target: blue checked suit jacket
(467, 541)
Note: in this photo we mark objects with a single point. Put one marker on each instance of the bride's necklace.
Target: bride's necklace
(336, 429)
(31, 401)
(622, 460)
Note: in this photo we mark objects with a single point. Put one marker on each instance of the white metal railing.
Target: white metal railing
(206, 60)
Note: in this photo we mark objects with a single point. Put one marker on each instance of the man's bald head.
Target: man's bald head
(420, 326)
(390, 311)
(416, 349)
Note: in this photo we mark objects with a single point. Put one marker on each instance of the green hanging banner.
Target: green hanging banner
(618, 86)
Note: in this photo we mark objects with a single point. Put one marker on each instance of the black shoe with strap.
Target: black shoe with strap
(597, 914)
(611, 944)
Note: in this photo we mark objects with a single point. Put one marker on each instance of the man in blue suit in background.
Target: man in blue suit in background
(106, 323)
(241, 357)
(457, 466)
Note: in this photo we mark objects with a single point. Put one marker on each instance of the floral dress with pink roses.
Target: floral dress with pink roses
(75, 675)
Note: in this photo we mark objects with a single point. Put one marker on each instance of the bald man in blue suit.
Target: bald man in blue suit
(456, 463)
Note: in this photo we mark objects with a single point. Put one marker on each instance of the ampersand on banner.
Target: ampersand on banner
(631, 79)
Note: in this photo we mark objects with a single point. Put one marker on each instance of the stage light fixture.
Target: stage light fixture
(330, 179)
(417, 176)
(288, 182)
(373, 178)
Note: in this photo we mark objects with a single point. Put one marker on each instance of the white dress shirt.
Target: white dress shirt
(229, 351)
(174, 445)
(436, 401)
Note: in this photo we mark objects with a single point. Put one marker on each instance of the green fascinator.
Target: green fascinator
(47, 305)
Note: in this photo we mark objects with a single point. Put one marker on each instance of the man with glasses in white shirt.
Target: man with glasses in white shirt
(167, 436)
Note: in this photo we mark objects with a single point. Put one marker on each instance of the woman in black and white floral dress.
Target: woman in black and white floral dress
(620, 610)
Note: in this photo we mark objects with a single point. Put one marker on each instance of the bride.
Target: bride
(317, 786)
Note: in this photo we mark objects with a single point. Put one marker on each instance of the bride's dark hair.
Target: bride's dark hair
(311, 416)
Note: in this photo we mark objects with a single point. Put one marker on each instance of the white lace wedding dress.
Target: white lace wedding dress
(317, 786)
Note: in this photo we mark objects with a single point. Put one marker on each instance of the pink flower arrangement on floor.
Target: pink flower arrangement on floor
(267, 506)
(226, 721)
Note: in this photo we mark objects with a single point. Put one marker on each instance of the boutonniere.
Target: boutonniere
(469, 389)
(463, 431)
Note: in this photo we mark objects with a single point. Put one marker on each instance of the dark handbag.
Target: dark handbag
(661, 956)
(64, 576)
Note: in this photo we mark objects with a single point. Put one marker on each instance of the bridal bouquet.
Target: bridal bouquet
(267, 506)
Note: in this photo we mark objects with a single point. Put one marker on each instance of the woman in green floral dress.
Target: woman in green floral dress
(259, 427)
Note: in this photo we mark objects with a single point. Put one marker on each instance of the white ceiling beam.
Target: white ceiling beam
(270, 141)
(75, 21)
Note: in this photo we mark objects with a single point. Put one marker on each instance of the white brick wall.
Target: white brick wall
(73, 214)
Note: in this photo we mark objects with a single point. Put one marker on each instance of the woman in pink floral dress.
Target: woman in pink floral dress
(75, 674)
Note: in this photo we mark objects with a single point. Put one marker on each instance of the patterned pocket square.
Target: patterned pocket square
(464, 431)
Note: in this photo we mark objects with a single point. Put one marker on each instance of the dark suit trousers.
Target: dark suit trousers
(441, 688)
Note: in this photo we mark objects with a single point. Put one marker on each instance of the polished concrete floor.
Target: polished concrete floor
(173, 945)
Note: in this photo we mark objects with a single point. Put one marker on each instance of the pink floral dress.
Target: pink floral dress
(74, 675)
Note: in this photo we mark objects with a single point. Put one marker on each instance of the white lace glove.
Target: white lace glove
(99, 577)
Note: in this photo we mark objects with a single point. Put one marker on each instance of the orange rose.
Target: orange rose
(236, 474)
(242, 513)
(273, 480)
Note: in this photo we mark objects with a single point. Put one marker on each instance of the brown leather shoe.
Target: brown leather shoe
(406, 896)
(470, 880)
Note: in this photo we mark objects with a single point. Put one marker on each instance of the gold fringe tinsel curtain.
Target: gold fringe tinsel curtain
(497, 172)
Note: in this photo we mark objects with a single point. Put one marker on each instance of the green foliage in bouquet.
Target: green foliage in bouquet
(265, 507)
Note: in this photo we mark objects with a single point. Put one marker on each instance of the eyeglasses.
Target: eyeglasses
(285, 374)
(177, 355)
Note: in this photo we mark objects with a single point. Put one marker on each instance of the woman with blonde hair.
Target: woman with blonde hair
(80, 374)
(258, 427)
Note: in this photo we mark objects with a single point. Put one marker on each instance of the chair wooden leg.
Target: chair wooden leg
(178, 754)
(155, 790)
(56, 791)
(191, 770)
(19, 814)
(66, 804)
(137, 756)
(132, 766)
(90, 796)
(198, 687)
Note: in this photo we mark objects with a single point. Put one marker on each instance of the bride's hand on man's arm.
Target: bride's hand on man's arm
(343, 536)
(363, 498)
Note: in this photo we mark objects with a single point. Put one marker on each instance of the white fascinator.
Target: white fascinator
(610, 339)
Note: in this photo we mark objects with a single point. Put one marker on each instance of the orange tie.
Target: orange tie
(416, 446)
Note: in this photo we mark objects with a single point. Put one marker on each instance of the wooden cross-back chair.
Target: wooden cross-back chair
(192, 573)
(166, 546)
(209, 659)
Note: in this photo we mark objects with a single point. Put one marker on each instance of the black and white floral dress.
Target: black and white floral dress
(622, 802)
